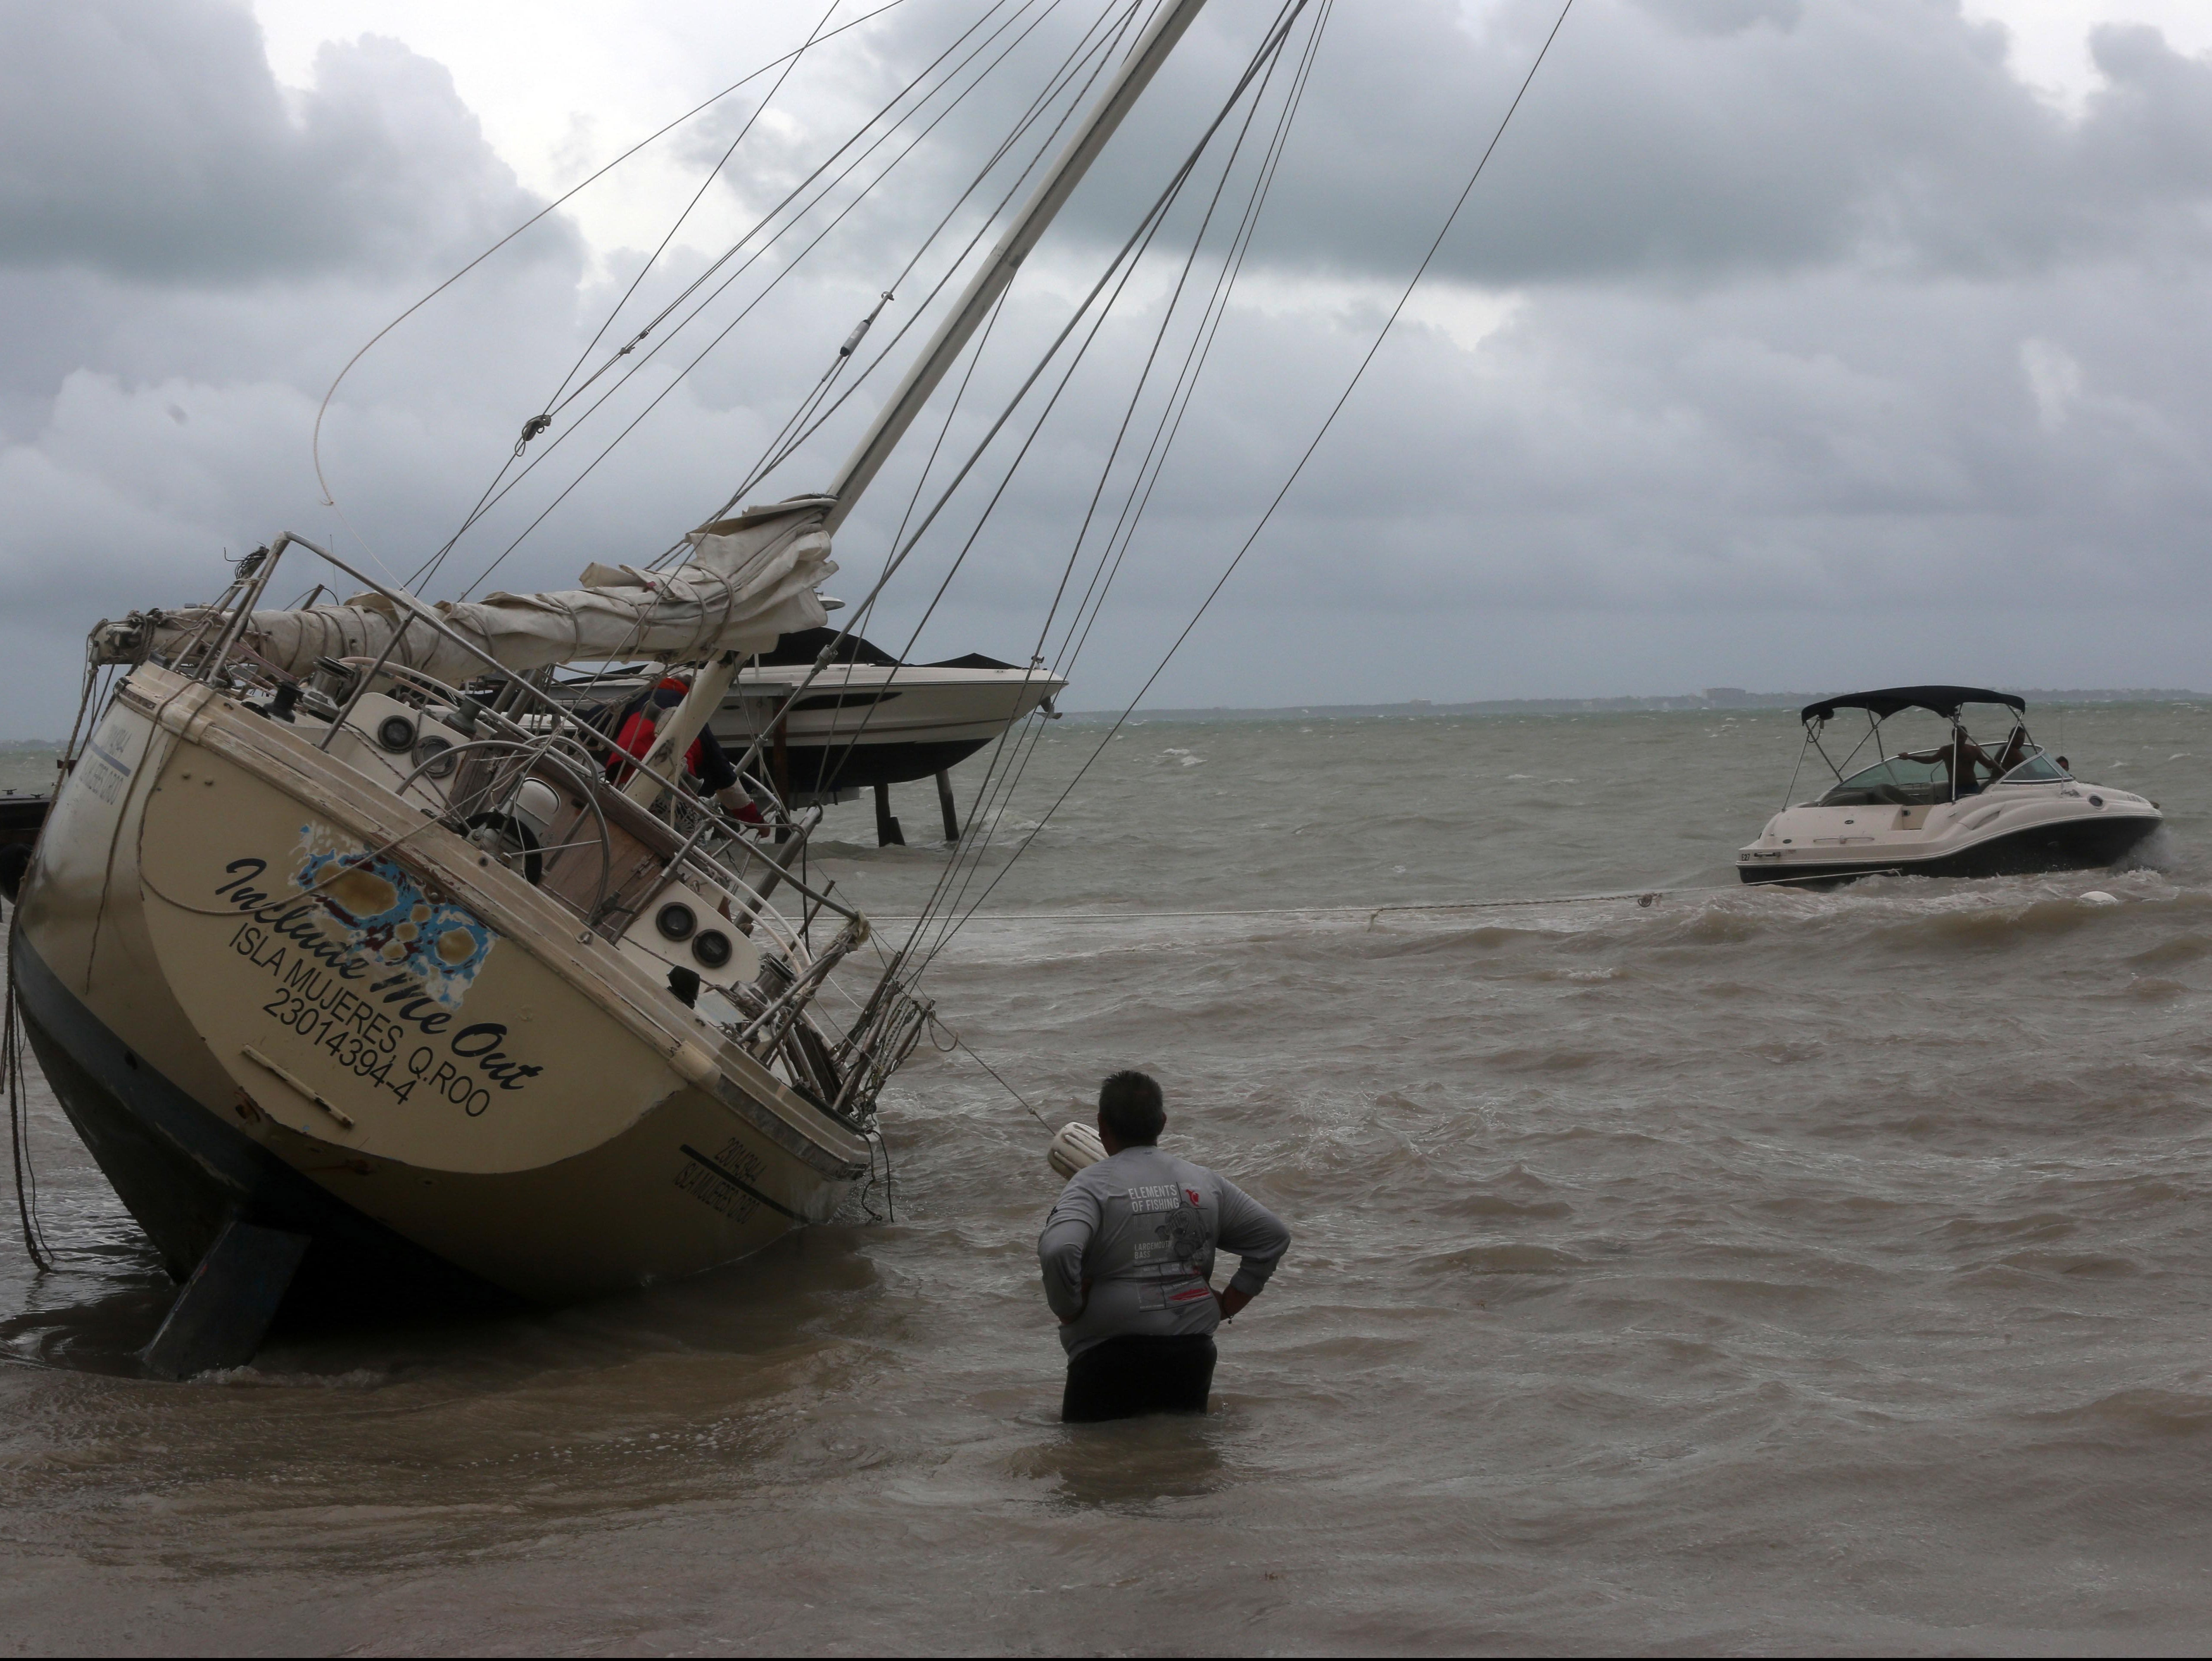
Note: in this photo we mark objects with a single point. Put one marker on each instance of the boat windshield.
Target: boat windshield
(2038, 769)
(1900, 780)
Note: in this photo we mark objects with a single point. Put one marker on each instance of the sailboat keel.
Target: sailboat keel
(225, 1309)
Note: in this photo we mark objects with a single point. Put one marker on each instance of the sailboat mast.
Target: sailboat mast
(1160, 37)
(1051, 193)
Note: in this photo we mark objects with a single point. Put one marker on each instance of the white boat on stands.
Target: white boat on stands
(1954, 809)
(865, 721)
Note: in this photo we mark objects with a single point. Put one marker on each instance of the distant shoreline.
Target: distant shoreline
(1713, 700)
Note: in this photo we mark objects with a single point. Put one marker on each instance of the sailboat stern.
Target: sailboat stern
(289, 997)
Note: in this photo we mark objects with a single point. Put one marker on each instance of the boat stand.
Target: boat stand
(888, 833)
(944, 805)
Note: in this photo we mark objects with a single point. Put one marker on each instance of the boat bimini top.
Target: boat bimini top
(1954, 808)
(1922, 778)
(1945, 701)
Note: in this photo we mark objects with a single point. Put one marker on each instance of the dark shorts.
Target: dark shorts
(1123, 1377)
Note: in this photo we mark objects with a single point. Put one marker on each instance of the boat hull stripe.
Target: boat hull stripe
(740, 1183)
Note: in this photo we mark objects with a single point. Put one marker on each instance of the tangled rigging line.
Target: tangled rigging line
(19, 1132)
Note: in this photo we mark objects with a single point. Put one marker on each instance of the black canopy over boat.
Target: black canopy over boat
(1945, 701)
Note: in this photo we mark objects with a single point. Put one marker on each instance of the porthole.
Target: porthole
(396, 732)
(713, 948)
(433, 756)
(675, 921)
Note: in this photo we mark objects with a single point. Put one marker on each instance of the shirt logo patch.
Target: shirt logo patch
(1154, 1196)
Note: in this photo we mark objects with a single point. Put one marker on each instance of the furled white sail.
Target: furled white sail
(749, 581)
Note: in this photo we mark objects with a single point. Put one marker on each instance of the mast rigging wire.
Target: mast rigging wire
(538, 423)
(1146, 225)
(1328, 421)
(698, 196)
(1145, 228)
(981, 812)
(1195, 360)
(1122, 31)
(747, 310)
(1268, 54)
(490, 500)
(315, 445)
(781, 450)
(994, 793)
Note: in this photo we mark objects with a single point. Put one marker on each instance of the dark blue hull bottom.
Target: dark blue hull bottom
(817, 769)
(2084, 845)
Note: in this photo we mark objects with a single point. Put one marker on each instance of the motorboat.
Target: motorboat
(868, 719)
(861, 720)
(21, 818)
(1955, 808)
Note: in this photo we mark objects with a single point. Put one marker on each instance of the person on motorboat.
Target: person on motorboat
(1960, 757)
(707, 768)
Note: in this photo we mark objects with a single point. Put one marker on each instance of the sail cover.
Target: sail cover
(749, 581)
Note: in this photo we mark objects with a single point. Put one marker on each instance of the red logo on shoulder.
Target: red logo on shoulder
(1193, 1195)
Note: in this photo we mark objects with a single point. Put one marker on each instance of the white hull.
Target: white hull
(2007, 828)
(857, 725)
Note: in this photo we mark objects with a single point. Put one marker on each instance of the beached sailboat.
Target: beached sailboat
(363, 964)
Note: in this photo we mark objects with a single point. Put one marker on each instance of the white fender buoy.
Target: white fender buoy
(2099, 896)
(1076, 1147)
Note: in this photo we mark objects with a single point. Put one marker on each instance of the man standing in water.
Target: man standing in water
(1128, 1264)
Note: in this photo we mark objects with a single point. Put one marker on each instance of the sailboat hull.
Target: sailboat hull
(183, 1174)
(264, 988)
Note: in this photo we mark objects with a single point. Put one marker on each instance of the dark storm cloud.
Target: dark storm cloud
(150, 142)
(1783, 344)
(188, 255)
(1688, 139)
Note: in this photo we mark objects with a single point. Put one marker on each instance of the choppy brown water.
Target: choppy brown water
(1754, 1271)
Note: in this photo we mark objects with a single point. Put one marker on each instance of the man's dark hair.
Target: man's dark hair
(1129, 1106)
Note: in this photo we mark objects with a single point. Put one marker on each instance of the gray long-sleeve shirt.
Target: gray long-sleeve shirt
(1142, 1227)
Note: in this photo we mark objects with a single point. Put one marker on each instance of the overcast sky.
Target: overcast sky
(1783, 344)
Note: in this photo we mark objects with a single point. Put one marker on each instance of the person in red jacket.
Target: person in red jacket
(705, 766)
